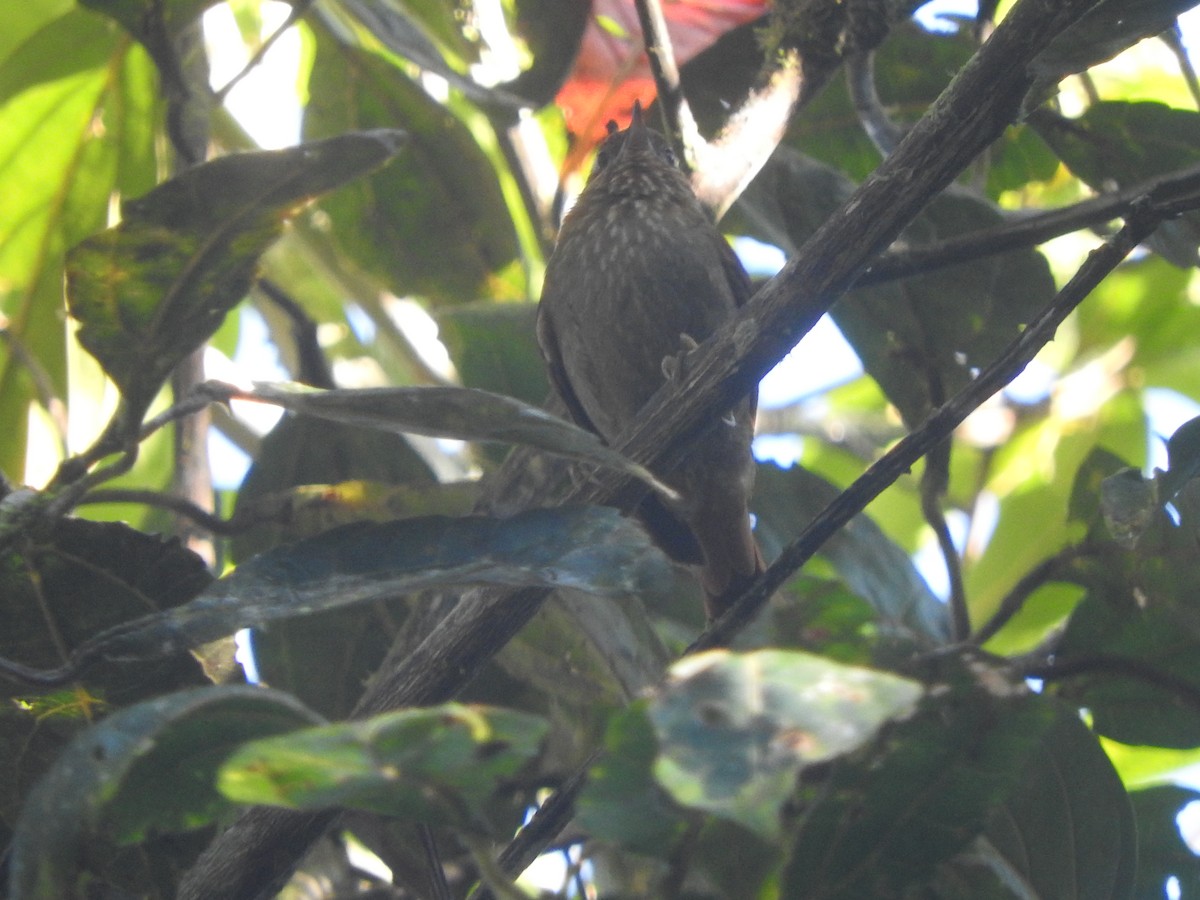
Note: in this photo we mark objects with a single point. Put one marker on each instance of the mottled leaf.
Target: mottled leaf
(591, 548)
(151, 766)
(150, 290)
(435, 766)
(735, 730)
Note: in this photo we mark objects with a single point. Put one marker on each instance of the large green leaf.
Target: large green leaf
(1067, 830)
(434, 224)
(590, 548)
(873, 566)
(1163, 853)
(147, 768)
(924, 337)
(882, 820)
(734, 731)
(1118, 144)
(149, 291)
(78, 103)
(434, 766)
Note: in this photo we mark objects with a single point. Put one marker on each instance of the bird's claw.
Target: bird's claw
(673, 366)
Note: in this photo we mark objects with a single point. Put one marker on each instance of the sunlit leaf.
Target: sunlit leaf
(152, 289)
(76, 127)
(436, 765)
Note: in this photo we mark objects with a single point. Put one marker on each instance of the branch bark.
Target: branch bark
(982, 100)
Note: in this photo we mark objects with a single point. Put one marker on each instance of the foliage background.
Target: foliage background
(1068, 566)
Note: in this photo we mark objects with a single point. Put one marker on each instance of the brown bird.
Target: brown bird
(639, 276)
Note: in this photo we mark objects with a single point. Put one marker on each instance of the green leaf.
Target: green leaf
(151, 766)
(924, 337)
(1183, 458)
(1117, 144)
(77, 110)
(736, 729)
(149, 291)
(493, 346)
(590, 548)
(434, 224)
(875, 568)
(1067, 830)
(1162, 851)
(59, 591)
(1104, 31)
(435, 766)
(464, 413)
(882, 820)
(622, 803)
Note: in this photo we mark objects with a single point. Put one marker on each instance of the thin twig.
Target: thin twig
(181, 506)
(934, 482)
(1026, 232)
(1014, 601)
(1173, 38)
(299, 8)
(1105, 664)
(876, 124)
(666, 79)
(433, 862)
(43, 384)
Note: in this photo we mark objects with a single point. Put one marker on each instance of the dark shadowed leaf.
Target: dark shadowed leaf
(436, 766)
(590, 548)
(1103, 32)
(494, 347)
(149, 767)
(149, 291)
(921, 338)
(735, 730)
(1067, 829)
(144, 18)
(885, 818)
(1162, 852)
(464, 413)
(622, 803)
(1183, 458)
(1118, 144)
(874, 567)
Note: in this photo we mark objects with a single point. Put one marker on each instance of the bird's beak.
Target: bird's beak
(638, 137)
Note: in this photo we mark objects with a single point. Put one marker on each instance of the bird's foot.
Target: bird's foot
(673, 366)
